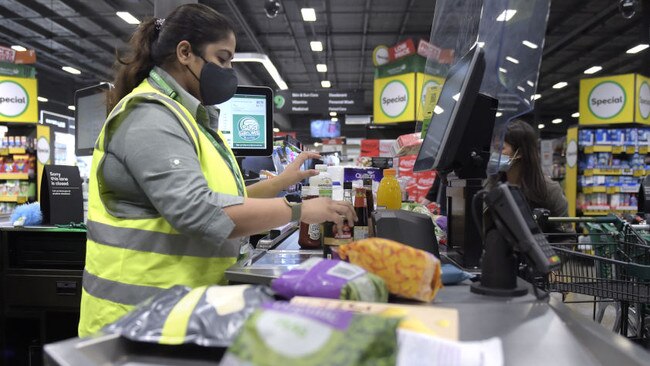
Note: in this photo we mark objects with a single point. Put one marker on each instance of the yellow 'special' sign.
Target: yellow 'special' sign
(18, 100)
(615, 99)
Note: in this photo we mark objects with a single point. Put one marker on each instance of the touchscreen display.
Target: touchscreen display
(242, 121)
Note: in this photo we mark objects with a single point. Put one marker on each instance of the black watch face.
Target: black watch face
(293, 198)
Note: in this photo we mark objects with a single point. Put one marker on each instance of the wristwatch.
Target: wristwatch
(295, 205)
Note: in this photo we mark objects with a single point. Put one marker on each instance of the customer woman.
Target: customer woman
(167, 202)
(521, 166)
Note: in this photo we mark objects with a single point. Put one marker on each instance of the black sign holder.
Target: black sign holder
(61, 195)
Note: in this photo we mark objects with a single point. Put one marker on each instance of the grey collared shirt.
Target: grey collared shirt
(151, 169)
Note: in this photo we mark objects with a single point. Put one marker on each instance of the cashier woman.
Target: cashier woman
(167, 203)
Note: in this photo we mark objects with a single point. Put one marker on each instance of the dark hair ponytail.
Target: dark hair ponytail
(154, 42)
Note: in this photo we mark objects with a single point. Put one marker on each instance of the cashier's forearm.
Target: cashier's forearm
(268, 188)
(257, 215)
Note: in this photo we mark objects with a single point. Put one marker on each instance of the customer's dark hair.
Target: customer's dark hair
(154, 42)
(523, 139)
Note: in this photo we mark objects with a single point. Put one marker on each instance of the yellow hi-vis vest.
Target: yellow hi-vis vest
(129, 260)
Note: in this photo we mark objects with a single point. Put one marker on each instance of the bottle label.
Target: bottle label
(325, 190)
(314, 231)
(360, 232)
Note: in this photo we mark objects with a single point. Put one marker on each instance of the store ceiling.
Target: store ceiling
(85, 33)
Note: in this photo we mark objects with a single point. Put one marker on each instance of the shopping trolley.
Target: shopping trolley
(613, 266)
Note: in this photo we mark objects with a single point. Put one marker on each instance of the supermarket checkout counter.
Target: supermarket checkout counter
(532, 331)
(40, 286)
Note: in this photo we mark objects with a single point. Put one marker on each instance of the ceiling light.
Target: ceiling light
(317, 144)
(540, 126)
(576, 115)
(71, 70)
(438, 110)
(18, 48)
(512, 59)
(536, 96)
(333, 114)
(529, 44)
(321, 68)
(506, 15)
(560, 85)
(499, 114)
(593, 69)
(334, 119)
(308, 14)
(325, 84)
(316, 46)
(276, 130)
(480, 44)
(71, 107)
(503, 70)
(521, 88)
(266, 62)
(637, 48)
(127, 17)
(556, 121)
(530, 83)
(42, 99)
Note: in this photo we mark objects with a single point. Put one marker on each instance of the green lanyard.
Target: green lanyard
(227, 157)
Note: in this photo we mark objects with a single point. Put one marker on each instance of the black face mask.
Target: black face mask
(216, 84)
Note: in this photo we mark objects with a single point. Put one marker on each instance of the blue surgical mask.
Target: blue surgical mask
(504, 162)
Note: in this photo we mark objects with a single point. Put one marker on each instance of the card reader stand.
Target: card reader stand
(499, 269)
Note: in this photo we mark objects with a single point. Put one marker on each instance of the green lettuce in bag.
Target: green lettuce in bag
(286, 334)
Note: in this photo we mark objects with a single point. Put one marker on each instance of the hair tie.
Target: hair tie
(159, 23)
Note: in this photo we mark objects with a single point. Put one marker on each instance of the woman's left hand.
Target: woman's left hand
(292, 173)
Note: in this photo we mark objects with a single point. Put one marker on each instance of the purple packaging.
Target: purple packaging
(316, 277)
(358, 173)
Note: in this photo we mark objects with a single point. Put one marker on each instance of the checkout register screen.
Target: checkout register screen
(242, 121)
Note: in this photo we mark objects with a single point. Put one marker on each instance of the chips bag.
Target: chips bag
(206, 316)
(333, 279)
(285, 334)
(408, 272)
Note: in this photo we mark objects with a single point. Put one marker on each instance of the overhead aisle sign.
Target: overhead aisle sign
(319, 101)
(18, 100)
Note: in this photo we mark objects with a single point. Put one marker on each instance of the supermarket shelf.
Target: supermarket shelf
(615, 149)
(608, 212)
(610, 190)
(595, 189)
(596, 212)
(17, 199)
(12, 150)
(612, 171)
(17, 176)
(597, 148)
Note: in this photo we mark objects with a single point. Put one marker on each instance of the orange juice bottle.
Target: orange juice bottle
(389, 194)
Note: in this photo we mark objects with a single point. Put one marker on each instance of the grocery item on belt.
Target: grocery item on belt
(333, 279)
(285, 334)
(207, 316)
(408, 272)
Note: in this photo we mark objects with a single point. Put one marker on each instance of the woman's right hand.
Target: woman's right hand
(318, 210)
